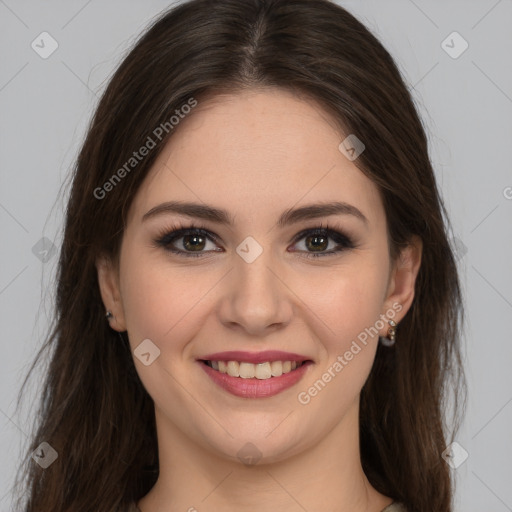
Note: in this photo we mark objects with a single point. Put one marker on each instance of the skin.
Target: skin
(256, 154)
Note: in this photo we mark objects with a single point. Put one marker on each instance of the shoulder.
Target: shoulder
(395, 507)
(132, 507)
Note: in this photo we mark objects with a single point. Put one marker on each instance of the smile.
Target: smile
(261, 371)
(255, 375)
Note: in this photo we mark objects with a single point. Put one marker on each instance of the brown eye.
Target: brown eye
(188, 242)
(317, 242)
(194, 242)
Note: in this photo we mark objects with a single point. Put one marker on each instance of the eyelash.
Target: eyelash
(175, 232)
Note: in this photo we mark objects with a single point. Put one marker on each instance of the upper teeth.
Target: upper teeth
(250, 370)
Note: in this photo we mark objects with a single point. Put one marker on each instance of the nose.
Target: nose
(256, 299)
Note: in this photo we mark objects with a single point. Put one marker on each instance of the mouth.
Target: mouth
(255, 375)
(260, 371)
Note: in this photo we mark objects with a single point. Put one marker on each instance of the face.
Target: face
(261, 276)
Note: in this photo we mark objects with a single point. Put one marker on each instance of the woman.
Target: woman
(257, 304)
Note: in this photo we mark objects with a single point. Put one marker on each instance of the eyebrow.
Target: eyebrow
(288, 217)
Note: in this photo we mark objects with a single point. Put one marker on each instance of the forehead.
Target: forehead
(257, 151)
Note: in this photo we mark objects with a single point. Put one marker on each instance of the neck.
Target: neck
(324, 476)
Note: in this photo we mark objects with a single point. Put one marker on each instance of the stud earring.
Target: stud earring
(109, 315)
(391, 337)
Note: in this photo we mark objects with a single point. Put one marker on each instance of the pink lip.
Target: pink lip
(255, 388)
(255, 357)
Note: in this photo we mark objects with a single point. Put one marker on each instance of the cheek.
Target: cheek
(347, 300)
(160, 300)
(349, 309)
(349, 338)
(146, 303)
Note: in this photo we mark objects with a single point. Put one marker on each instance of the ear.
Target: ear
(400, 293)
(108, 280)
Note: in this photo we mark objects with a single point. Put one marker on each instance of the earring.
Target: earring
(109, 315)
(390, 340)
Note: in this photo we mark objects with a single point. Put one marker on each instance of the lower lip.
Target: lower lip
(256, 388)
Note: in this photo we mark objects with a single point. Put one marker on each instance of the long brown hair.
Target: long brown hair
(94, 410)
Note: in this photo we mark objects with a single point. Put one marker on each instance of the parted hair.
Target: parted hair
(94, 410)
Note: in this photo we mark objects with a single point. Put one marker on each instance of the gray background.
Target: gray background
(466, 104)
